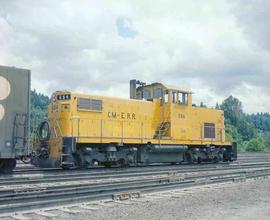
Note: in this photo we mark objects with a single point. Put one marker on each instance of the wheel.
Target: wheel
(216, 160)
(26, 160)
(7, 165)
(107, 164)
(65, 167)
(123, 163)
(79, 161)
(189, 158)
(226, 156)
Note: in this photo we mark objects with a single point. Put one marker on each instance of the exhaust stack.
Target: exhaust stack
(133, 87)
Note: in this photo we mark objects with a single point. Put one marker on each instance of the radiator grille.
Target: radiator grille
(209, 130)
(90, 104)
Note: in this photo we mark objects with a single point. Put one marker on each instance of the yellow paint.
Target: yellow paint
(132, 121)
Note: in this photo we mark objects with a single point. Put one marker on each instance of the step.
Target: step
(68, 163)
(66, 155)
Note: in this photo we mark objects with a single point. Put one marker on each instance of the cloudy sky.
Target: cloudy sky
(216, 48)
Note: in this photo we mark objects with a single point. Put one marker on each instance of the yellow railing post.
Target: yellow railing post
(101, 130)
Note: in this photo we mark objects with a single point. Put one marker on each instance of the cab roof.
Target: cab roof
(170, 87)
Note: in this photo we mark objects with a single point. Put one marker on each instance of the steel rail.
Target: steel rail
(131, 169)
(68, 195)
(81, 176)
(20, 190)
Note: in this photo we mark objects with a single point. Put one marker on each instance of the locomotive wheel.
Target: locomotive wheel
(66, 167)
(79, 161)
(7, 165)
(190, 158)
(107, 165)
(226, 156)
(216, 160)
(123, 163)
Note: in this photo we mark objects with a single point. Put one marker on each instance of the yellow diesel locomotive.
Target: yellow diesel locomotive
(158, 124)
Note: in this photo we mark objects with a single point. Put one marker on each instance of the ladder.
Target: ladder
(164, 126)
(67, 157)
(68, 147)
(162, 130)
(20, 131)
(66, 153)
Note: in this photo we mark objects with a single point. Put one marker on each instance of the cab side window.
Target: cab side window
(146, 94)
(182, 98)
(166, 96)
(174, 97)
(157, 93)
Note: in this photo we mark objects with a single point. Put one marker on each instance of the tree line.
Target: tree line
(250, 131)
(39, 109)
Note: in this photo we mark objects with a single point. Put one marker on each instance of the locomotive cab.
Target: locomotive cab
(168, 94)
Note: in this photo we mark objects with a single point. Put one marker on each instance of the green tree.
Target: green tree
(261, 121)
(233, 111)
(235, 116)
(256, 144)
(265, 136)
(39, 106)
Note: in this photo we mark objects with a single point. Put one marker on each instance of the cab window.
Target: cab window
(166, 96)
(157, 93)
(174, 97)
(182, 98)
(146, 94)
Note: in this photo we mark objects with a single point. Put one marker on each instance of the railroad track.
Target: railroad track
(51, 176)
(21, 193)
(34, 188)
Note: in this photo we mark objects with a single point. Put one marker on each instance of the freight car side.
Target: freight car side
(14, 115)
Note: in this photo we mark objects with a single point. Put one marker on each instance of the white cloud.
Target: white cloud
(80, 46)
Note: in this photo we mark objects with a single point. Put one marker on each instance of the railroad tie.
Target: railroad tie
(91, 208)
(146, 200)
(68, 210)
(123, 202)
(20, 217)
(46, 214)
(156, 196)
(105, 204)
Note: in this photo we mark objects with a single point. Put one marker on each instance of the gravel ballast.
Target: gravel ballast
(245, 200)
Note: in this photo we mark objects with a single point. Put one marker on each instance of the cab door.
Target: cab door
(180, 108)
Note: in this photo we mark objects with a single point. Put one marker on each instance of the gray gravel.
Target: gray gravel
(247, 200)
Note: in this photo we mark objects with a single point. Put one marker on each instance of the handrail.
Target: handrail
(119, 130)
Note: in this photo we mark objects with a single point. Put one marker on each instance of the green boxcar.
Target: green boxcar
(14, 115)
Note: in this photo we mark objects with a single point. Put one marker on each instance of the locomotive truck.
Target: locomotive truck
(157, 124)
(14, 116)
